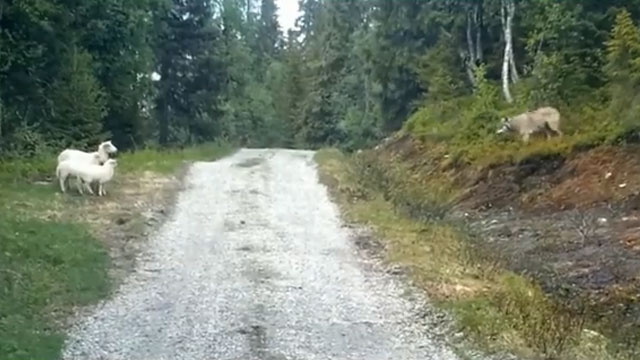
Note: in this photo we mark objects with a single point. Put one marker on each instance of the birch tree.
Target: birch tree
(474, 24)
(507, 13)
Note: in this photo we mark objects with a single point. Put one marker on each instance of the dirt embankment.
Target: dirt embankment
(570, 222)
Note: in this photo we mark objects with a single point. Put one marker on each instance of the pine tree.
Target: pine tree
(623, 70)
(623, 49)
(117, 36)
(192, 69)
(400, 40)
(308, 21)
(294, 88)
(269, 34)
(79, 104)
(439, 72)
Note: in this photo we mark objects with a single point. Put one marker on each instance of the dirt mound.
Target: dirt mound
(571, 222)
(601, 176)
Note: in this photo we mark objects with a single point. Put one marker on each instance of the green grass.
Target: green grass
(500, 310)
(49, 260)
(20, 170)
(46, 268)
(168, 161)
(468, 128)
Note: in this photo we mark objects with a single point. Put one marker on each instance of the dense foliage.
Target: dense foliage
(176, 72)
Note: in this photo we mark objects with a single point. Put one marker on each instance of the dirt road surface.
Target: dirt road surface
(254, 264)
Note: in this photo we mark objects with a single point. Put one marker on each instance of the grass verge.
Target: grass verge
(54, 250)
(499, 309)
(168, 161)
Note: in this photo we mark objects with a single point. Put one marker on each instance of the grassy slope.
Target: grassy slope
(500, 309)
(50, 260)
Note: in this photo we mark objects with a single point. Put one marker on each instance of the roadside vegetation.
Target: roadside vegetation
(502, 310)
(59, 251)
(531, 246)
(432, 190)
(605, 114)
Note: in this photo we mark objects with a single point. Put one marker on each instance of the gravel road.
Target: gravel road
(254, 264)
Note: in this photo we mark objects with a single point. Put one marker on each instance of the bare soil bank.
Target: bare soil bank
(572, 222)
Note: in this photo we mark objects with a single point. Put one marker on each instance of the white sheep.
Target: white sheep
(86, 174)
(67, 168)
(104, 149)
(96, 157)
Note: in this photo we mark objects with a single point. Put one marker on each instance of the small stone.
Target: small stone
(602, 221)
(505, 231)
(622, 186)
(608, 175)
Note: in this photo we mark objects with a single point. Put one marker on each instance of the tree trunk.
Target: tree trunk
(515, 77)
(470, 58)
(507, 10)
(163, 122)
(1, 119)
(464, 56)
(474, 43)
(479, 25)
(511, 12)
(163, 112)
(164, 100)
(470, 44)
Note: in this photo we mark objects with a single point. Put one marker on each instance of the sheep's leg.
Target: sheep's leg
(87, 185)
(78, 186)
(104, 189)
(525, 137)
(78, 183)
(62, 180)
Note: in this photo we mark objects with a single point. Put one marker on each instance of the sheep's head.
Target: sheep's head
(111, 162)
(108, 147)
(96, 158)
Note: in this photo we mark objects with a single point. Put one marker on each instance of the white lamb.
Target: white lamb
(87, 174)
(104, 149)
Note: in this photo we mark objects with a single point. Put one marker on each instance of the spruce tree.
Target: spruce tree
(191, 61)
(78, 103)
(623, 70)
